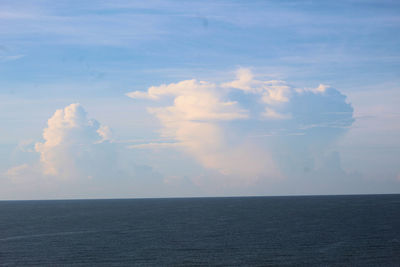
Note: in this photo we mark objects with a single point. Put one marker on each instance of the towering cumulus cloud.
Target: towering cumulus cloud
(72, 143)
(238, 128)
(194, 122)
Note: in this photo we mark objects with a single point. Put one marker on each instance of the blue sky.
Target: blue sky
(198, 98)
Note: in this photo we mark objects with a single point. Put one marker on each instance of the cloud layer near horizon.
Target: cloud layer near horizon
(242, 133)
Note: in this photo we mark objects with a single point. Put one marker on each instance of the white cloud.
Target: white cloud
(320, 89)
(193, 100)
(193, 122)
(154, 145)
(139, 94)
(74, 146)
(78, 159)
(273, 92)
(105, 133)
(215, 125)
(209, 123)
(17, 170)
(244, 80)
(272, 114)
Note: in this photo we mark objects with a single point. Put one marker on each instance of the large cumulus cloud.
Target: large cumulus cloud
(74, 146)
(248, 129)
(194, 121)
(71, 142)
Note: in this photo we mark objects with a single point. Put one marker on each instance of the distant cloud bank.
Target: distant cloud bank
(242, 133)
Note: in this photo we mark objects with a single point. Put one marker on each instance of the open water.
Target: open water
(251, 231)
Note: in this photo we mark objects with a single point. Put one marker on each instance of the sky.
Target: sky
(132, 99)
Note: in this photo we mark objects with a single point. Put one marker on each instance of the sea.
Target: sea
(357, 230)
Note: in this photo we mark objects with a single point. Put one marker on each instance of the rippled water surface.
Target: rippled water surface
(256, 231)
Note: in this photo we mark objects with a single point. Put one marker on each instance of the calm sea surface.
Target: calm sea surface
(255, 231)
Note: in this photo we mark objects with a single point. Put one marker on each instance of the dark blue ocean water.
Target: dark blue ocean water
(255, 231)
